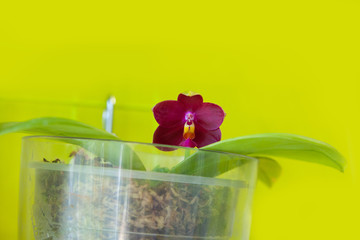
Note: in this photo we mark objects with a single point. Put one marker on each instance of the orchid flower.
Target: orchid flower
(188, 122)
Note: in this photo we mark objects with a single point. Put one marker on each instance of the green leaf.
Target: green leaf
(61, 127)
(269, 170)
(51, 126)
(282, 145)
(264, 147)
(208, 164)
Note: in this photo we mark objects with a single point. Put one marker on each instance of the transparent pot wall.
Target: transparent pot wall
(106, 190)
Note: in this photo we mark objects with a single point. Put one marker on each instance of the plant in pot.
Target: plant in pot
(79, 182)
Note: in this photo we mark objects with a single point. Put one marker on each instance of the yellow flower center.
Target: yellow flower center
(189, 130)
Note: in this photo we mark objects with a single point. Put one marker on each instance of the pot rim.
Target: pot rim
(250, 158)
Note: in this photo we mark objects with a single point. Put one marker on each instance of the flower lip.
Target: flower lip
(189, 131)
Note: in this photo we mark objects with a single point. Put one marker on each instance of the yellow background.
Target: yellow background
(274, 66)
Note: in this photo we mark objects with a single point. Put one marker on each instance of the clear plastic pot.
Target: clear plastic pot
(87, 189)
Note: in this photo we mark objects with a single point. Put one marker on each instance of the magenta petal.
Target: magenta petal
(209, 116)
(169, 113)
(191, 102)
(188, 143)
(168, 136)
(204, 137)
